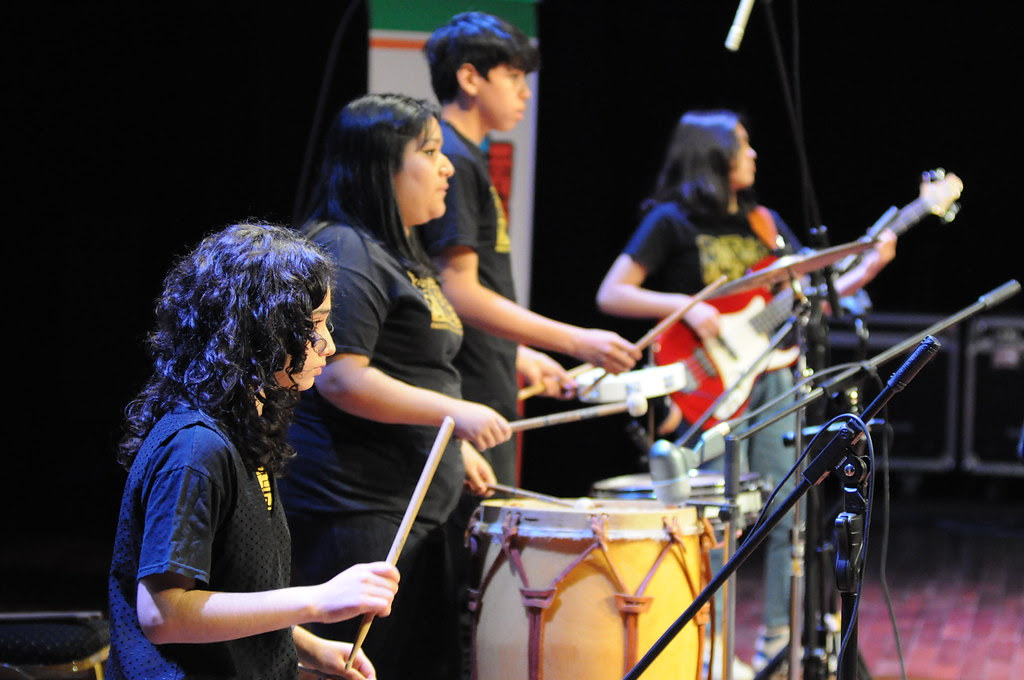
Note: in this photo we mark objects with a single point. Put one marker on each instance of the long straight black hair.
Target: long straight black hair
(364, 151)
(697, 164)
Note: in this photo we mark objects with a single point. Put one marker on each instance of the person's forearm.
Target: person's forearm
(176, 615)
(627, 300)
(369, 393)
(493, 313)
(858, 277)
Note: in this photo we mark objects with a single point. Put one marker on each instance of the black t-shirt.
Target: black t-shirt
(475, 217)
(191, 507)
(683, 253)
(410, 332)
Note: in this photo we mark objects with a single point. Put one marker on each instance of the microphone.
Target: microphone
(739, 25)
(712, 442)
(912, 366)
(670, 467)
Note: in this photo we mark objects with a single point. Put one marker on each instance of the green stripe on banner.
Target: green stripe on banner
(426, 15)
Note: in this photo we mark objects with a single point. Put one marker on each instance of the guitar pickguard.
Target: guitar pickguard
(721, 363)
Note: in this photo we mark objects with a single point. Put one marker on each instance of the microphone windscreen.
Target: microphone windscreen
(670, 467)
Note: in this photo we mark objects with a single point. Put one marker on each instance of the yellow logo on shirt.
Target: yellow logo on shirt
(502, 243)
(442, 314)
(731, 255)
(268, 493)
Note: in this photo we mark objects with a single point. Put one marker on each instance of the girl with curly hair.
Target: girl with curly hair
(199, 581)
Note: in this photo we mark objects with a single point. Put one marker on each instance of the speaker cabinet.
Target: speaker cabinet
(994, 395)
(925, 416)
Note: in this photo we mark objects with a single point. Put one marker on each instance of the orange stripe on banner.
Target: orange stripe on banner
(397, 43)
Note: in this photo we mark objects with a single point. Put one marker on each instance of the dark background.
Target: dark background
(134, 129)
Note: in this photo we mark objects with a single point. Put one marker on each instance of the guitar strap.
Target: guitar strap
(764, 227)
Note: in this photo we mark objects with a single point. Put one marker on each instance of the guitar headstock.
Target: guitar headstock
(939, 190)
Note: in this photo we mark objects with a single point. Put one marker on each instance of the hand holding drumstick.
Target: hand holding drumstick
(440, 443)
(665, 323)
(641, 344)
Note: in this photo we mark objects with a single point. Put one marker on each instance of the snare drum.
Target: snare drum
(563, 592)
(707, 492)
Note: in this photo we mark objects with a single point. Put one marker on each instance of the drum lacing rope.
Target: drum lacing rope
(537, 600)
(508, 529)
(708, 541)
(629, 606)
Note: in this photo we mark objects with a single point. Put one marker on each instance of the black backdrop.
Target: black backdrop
(135, 128)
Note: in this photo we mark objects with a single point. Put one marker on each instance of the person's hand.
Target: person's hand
(704, 319)
(479, 472)
(480, 425)
(537, 368)
(672, 420)
(606, 349)
(885, 249)
(319, 655)
(361, 589)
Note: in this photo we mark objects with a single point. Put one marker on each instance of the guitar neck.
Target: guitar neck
(775, 312)
(908, 216)
(905, 218)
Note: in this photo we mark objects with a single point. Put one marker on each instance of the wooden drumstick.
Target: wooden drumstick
(440, 443)
(538, 387)
(663, 325)
(515, 491)
(636, 404)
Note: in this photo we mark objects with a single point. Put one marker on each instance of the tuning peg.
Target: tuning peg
(951, 213)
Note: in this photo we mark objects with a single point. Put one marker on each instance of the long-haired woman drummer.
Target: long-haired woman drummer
(364, 431)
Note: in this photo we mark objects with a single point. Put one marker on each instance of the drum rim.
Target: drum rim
(626, 519)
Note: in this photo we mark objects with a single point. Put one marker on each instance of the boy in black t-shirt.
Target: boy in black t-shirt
(478, 66)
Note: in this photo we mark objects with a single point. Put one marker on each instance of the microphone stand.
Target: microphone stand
(731, 473)
(832, 456)
(690, 437)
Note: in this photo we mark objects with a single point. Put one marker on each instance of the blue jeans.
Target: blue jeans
(767, 455)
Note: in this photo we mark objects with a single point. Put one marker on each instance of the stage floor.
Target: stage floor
(954, 577)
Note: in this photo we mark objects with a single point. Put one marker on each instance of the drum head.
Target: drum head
(636, 486)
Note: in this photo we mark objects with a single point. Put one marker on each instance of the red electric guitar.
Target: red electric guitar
(750, 318)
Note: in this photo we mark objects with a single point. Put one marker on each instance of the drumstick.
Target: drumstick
(636, 404)
(440, 443)
(515, 491)
(538, 387)
(665, 323)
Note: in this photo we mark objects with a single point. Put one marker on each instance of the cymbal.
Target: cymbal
(791, 267)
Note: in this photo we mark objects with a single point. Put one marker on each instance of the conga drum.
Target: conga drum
(566, 593)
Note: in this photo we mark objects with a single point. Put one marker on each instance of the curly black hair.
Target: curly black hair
(231, 313)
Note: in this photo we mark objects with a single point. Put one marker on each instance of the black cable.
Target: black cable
(300, 207)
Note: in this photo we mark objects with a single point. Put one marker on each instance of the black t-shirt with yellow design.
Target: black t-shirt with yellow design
(683, 253)
(475, 218)
(410, 332)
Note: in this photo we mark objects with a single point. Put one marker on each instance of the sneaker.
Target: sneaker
(770, 641)
(740, 671)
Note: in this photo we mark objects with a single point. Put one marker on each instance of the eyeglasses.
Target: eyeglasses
(319, 342)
